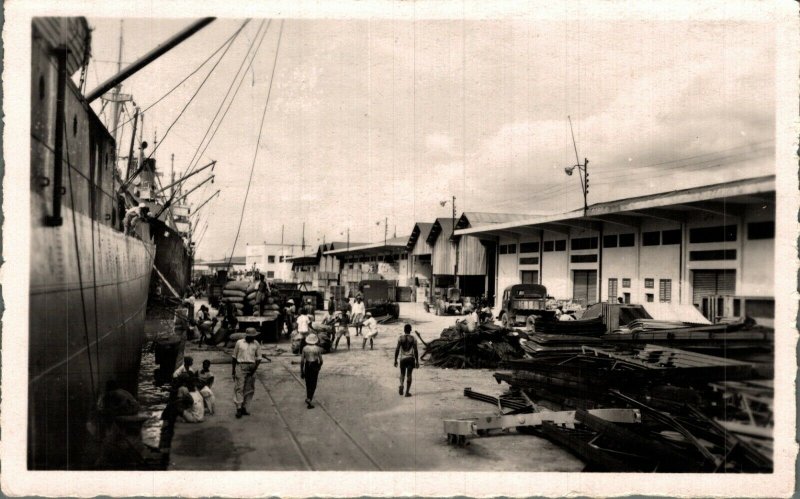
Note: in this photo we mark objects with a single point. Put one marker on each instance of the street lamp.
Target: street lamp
(583, 170)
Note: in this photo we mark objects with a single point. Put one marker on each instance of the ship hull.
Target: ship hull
(173, 259)
(87, 310)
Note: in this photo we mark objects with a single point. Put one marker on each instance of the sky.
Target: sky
(380, 119)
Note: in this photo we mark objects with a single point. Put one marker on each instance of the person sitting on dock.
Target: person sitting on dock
(371, 332)
(185, 370)
(310, 364)
(205, 379)
(195, 412)
(244, 363)
(409, 357)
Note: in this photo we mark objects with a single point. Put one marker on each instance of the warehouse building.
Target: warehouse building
(271, 259)
(420, 270)
(386, 260)
(710, 246)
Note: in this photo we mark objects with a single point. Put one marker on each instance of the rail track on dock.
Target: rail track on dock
(303, 453)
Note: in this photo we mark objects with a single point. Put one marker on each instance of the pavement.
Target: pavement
(360, 422)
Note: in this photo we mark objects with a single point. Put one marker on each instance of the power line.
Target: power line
(202, 83)
(226, 42)
(258, 142)
(196, 158)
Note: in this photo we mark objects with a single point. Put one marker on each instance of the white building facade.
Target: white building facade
(712, 247)
(271, 259)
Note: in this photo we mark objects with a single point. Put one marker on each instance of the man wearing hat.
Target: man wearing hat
(244, 363)
(310, 364)
(288, 315)
(133, 216)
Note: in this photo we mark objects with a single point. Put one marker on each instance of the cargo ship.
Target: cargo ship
(89, 279)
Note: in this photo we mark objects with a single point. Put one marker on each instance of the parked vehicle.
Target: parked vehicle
(521, 301)
(446, 302)
(298, 292)
(379, 297)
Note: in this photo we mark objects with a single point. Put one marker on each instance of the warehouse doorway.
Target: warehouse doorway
(584, 286)
(712, 282)
(529, 277)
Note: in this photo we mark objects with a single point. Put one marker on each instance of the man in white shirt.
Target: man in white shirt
(472, 320)
(244, 362)
(358, 314)
(372, 331)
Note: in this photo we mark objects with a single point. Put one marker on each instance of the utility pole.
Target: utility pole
(303, 240)
(172, 176)
(385, 229)
(583, 170)
(455, 243)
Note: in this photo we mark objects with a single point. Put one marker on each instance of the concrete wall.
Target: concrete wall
(754, 263)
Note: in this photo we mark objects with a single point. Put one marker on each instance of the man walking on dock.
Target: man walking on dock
(310, 364)
(244, 363)
(358, 314)
(409, 357)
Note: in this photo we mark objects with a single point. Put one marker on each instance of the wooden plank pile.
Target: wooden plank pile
(486, 347)
(699, 413)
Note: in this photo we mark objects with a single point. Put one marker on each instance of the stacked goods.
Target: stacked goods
(236, 292)
(486, 347)
(583, 327)
(694, 416)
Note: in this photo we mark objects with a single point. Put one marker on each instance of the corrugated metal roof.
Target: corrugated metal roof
(442, 226)
(420, 231)
(682, 198)
(392, 244)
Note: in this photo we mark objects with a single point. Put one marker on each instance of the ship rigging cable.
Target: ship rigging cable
(258, 142)
(226, 42)
(199, 154)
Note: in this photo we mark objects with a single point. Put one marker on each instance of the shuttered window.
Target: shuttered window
(529, 277)
(712, 282)
(626, 283)
(665, 290)
(612, 290)
(649, 283)
(584, 286)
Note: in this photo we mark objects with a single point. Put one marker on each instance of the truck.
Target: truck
(298, 292)
(521, 301)
(379, 297)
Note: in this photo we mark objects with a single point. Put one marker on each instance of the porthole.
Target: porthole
(74, 124)
(41, 87)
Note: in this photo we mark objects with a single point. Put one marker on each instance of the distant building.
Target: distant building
(271, 259)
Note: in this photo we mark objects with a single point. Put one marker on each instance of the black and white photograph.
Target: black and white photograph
(554, 242)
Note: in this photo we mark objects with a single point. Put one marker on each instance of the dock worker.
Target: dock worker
(358, 315)
(195, 412)
(133, 216)
(409, 358)
(244, 362)
(205, 378)
(288, 315)
(371, 332)
(310, 364)
(261, 294)
(342, 327)
(472, 319)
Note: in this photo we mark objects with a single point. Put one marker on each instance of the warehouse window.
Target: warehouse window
(583, 243)
(627, 240)
(271, 259)
(281, 259)
(612, 290)
(583, 258)
(649, 283)
(704, 256)
(610, 241)
(512, 249)
(671, 236)
(651, 238)
(719, 234)
(665, 290)
(626, 297)
(548, 245)
(761, 230)
(626, 282)
(561, 245)
(531, 260)
(270, 274)
(649, 297)
(529, 247)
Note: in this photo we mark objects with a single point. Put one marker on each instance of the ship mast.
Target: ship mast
(115, 96)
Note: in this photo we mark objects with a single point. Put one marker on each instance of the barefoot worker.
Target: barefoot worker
(371, 332)
(310, 364)
(409, 357)
(245, 361)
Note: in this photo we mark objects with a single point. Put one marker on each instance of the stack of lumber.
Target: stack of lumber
(581, 327)
(700, 413)
(486, 347)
